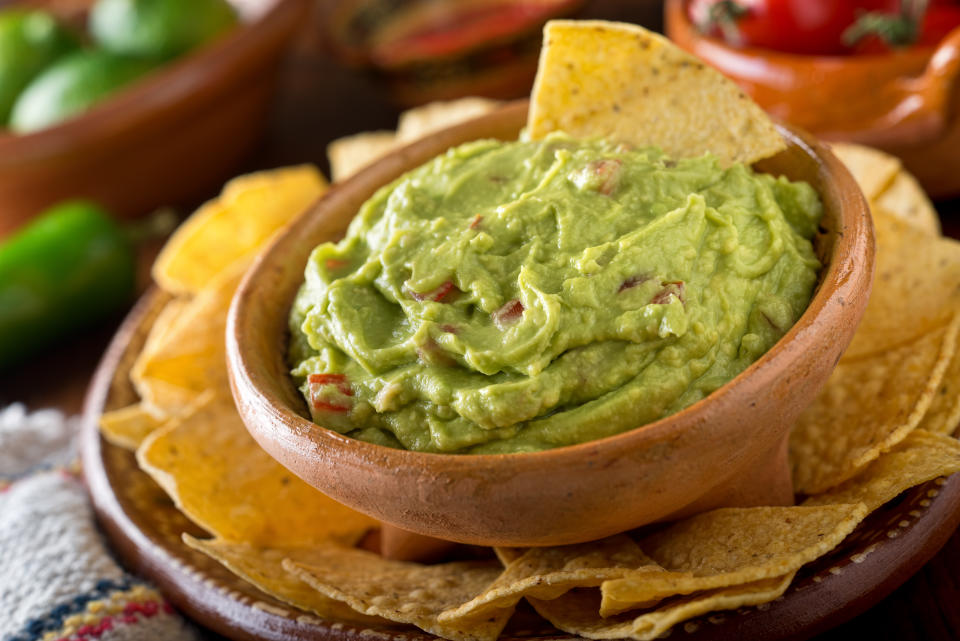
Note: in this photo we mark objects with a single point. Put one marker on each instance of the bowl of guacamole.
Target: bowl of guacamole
(492, 365)
(520, 296)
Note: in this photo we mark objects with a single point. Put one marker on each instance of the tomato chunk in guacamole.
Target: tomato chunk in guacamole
(514, 297)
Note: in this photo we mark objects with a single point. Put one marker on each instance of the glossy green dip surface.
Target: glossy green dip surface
(513, 297)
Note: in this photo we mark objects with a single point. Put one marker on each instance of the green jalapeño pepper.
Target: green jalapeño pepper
(65, 271)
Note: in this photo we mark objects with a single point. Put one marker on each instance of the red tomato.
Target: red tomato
(795, 26)
(940, 20)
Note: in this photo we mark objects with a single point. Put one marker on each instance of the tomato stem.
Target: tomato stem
(895, 30)
(724, 15)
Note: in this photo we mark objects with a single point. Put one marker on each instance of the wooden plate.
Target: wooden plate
(145, 528)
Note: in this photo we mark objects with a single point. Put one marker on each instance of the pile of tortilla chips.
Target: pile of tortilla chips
(882, 425)
(185, 430)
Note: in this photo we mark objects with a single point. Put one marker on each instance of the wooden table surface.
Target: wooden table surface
(319, 100)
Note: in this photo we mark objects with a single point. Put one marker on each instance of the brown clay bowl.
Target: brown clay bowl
(168, 139)
(902, 102)
(728, 449)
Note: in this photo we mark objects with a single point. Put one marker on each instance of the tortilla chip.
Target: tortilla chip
(168, 396)
(889, 186)
(576, 612)
(943, 416)
(874, 170)
(263, 567)
(190, 357)
(164, 323)
(350, 154)
(432, 117)
(546, 573)
(905, 198)
(508, 555)
(165, 400)
(868, 406)
(222, 480)
(918, 458)
(616, 80)
(406, 592)
(916, 288)
(128, 426)
(248, 212)
(731, 546)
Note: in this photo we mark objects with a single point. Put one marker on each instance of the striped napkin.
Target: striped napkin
(58, 580)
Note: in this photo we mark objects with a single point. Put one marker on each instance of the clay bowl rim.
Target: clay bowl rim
(857, 229)
(183, 81)
(675, 15)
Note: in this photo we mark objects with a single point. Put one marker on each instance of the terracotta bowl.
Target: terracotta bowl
(728, 449)
(168, 139)
(901, 102)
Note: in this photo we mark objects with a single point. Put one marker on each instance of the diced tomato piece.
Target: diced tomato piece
(317, 381)
(326, 379)
(340, 380)
(508, 314)
(608, 171)
(602, 175)
(432, 354)
(442, 294)
(633, 281)
(670, 288)
(445, 290)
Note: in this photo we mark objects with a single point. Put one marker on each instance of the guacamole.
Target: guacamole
(514, 297)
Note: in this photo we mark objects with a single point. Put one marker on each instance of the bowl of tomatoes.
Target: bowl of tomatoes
(877, 72)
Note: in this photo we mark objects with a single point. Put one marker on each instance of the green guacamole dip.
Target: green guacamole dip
(514, 297)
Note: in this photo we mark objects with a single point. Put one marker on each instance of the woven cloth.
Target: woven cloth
(58, 580)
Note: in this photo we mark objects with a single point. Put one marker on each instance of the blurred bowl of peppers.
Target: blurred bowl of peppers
(426, 50)
(878, 72)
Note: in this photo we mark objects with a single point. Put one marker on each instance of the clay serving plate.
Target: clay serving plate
(144, 528)
(169, 139)
(903, 102)
(729, 449)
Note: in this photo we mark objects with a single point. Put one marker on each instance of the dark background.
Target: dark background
(320, 100)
